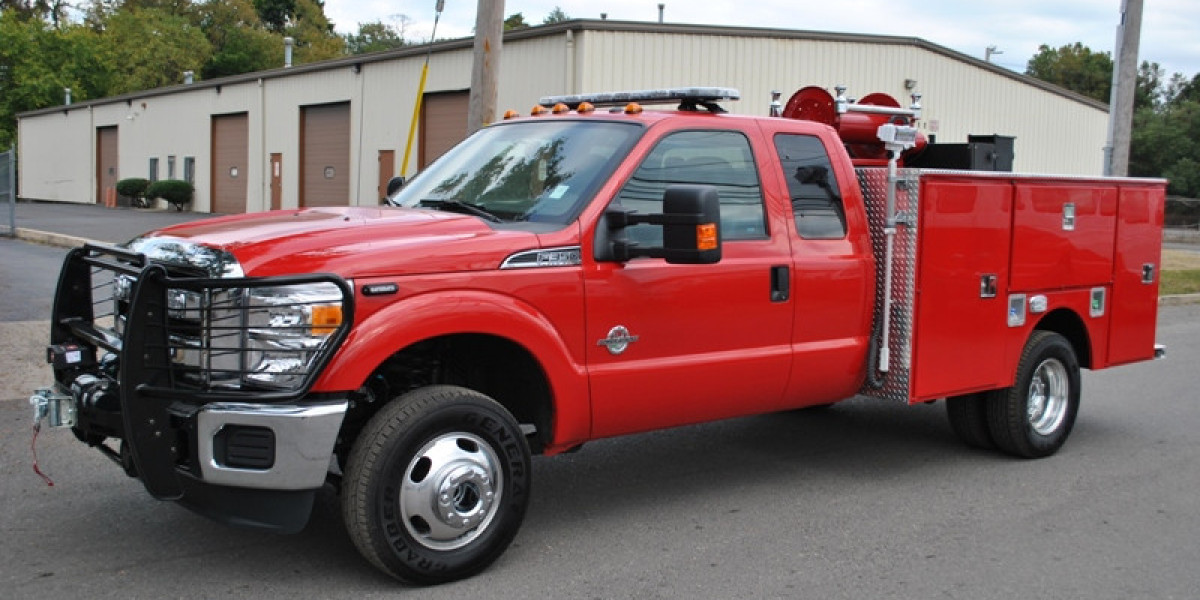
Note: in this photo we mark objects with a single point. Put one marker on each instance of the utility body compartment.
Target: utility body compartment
(981, 258)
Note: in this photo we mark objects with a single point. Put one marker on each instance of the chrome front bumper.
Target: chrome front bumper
(296, 456)
(303, 440)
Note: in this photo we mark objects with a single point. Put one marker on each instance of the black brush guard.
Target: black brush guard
(113, 304)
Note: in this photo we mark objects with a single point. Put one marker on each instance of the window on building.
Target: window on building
(153, 169)
(816, 201)
(721, 159)
(189, 169)
(171, 167)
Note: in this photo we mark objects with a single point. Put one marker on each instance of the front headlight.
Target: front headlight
(286, 327)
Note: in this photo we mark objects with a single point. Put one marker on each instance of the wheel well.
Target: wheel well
(496, 367)
(1068, 324)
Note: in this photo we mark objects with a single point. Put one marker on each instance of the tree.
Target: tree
(556, 16)
(38, 60)
(1180, 89)
(153, 48)
(373, 37)
(244, 50)
(24, 10)
(275, 14)
(1149, 88)
(240, 42)
(1074, 67)
(314, 35)
(1166, 143)
(515, 21)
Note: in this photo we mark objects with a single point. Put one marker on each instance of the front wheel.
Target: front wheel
(1033, 418)
(436, 485)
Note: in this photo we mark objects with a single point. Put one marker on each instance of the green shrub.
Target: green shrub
(134, 188)
(174, 191)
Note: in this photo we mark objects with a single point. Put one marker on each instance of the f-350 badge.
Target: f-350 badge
(618, 340)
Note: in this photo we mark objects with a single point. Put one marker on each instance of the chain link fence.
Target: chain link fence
(8, 192)
(1182, 213)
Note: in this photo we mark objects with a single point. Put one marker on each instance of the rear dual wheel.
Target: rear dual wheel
(1033, 418)
(436, 485)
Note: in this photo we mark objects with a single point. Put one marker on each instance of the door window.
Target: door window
(721, 159)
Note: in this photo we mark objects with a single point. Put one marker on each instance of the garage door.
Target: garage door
(230, 159)
(443, 124)
(107, 172)
(325, 155)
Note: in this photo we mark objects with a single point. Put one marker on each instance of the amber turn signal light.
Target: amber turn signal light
(706, 236)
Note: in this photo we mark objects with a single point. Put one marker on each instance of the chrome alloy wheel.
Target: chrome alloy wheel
(1048, 397)
(451, 491)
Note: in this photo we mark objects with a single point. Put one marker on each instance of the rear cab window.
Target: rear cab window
(812, 186)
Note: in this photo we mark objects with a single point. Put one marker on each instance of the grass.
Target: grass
(1180, 273)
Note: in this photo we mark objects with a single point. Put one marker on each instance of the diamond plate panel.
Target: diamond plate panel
(874, 184)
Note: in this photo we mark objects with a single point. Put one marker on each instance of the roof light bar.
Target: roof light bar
(690, 96)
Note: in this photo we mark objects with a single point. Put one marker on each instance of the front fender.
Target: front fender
(437, 314)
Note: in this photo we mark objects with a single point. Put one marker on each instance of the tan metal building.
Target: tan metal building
(332, 133)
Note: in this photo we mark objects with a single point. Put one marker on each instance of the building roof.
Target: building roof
(585, 25)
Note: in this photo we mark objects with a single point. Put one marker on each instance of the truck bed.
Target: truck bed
(1052, 245)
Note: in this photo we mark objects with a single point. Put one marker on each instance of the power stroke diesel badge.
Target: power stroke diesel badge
(618, 340)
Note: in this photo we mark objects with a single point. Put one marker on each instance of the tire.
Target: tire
(969, 419)
(437, 484)
(1033, 418)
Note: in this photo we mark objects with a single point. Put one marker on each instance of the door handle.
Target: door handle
(781, 283)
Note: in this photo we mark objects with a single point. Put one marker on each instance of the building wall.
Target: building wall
(62, 149)
(1054, 133)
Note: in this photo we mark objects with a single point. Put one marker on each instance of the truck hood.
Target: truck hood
(349, 241)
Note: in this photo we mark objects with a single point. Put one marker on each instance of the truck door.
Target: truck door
(833, 279)
(677, 344)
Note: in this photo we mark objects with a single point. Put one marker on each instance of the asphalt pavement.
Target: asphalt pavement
(866, 499)
(69, 224)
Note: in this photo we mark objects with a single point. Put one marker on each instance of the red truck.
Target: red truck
(578, 274)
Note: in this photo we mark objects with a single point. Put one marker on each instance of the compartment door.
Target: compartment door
(1135, 291)
(960, 333)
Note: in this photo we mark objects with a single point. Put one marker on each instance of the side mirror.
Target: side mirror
(691, 223)
(394, 184)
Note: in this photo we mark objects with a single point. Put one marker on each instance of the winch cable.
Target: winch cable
(37, 428)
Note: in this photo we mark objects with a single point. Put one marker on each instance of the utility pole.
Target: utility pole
(489, 35)
(1120, 106)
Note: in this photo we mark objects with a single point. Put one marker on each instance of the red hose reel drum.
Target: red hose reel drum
(858, 130)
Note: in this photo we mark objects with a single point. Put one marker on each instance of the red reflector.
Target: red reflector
(706, 236)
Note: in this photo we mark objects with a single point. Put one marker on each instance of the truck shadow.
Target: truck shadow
(685, 486)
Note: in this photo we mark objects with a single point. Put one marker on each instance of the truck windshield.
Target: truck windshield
(543, 171)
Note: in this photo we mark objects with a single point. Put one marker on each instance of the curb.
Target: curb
(51, 239)
(1179, 300)
(69, 241)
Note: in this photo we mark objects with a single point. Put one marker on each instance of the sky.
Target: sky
(1170, 28)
